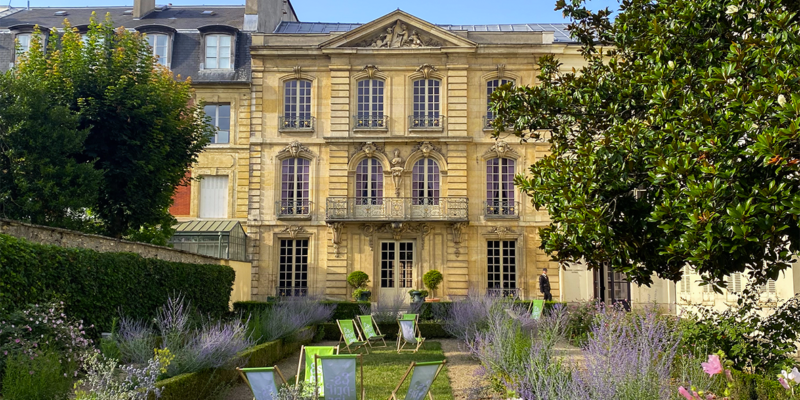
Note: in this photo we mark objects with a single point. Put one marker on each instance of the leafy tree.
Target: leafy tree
(676, 143)
(144, 131)
(40, 180)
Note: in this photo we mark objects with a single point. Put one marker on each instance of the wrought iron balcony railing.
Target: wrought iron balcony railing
(397, 209)
(504, 292)
(418, 121)
(293, 208)
(283, 291)
(375, 121)
(501, 209)
(296, 123)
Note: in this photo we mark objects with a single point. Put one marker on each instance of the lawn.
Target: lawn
(383, 369)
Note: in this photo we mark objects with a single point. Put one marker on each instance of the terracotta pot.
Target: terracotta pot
(432, 300)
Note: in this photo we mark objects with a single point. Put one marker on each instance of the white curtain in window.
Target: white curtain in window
(214, 197)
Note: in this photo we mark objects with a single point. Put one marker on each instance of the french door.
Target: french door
(397, 269)
(611, 287)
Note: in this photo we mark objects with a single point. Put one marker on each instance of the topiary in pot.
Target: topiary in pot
(432, 279)
(358, 280)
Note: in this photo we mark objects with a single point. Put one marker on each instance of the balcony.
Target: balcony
(377, 122)
(396, 209)
(293, 209)
(296, 123)
(426, 122)
(501, 209)
(504, 292)
(282, 291)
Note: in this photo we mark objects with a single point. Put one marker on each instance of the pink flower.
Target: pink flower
(685, 393)
(783, 383)
(713, 366)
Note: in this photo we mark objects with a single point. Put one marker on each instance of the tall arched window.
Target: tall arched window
(491, 86)
(296, 104)
(500, 187)
(370, 104)
(425, 183)
(426, 104)
(294, 186)
(369, 182)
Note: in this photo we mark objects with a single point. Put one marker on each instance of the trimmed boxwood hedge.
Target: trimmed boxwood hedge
(343, 310)
(96, 287)
(757, 387)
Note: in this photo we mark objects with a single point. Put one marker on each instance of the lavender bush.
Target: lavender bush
(135, 341)
(107, 380)
(386, 311)
(215, 345)
(286, 318)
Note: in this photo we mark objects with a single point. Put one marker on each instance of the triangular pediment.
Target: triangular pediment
(398, 30)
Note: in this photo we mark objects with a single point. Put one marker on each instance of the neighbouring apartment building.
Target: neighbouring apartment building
(345, 147)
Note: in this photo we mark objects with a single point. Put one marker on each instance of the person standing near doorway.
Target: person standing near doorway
(544, 285)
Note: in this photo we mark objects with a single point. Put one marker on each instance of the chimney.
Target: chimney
(268, 13)
(142, 8)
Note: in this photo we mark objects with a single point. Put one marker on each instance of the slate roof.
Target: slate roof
(186, 52)
(560, 33)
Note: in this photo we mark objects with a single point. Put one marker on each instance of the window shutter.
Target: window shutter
(686, 280)
(771, 286)
(214, 197)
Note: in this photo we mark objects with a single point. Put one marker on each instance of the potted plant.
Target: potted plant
(416, 295)
(359, 280)
(432, 279)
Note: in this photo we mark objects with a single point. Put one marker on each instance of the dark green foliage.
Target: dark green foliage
(343, 310)
(432, 279)
(757, 387)
(42, 377)
(96, 287)
(358, 279)
(676, 143)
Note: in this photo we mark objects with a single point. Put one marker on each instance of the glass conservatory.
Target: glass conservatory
(218, 238)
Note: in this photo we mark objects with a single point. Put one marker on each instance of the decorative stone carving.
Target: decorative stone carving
(426, 70)
(294, 230)
(502, 232)
(397, 229)
(296, 149)
(398, 35)
(369, 231)
(298, 71)
(370, 70)
(427, 148)
(501, 71)
(424, 230)
(397, 171)
(457, 229)
(500, 149)
(369, 149)
(336, 228)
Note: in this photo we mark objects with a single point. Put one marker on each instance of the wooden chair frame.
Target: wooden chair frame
(416, 326)
(401, 340)
(273, 368)
(358, 344)
(393, 396)
(300, 363)
(379, 335)
(360, 367)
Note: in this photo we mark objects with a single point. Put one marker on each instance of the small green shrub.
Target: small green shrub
(432, 279)
(110, 349)
(358, 279)
(43, 377)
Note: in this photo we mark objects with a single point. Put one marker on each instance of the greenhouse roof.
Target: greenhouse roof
(207, 226)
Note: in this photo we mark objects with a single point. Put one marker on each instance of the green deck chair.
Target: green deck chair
(421, 380)
(415, 317)
(265, 382)
(306, 364)
(536, 308)
(371, 330)
(408, 335)
(340, 376)
(350, 335)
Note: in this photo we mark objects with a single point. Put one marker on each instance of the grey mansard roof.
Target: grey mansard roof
(560, 33)
(187, 55)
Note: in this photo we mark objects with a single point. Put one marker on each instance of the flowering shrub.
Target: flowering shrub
(42, 325)
(470, 316)
(712, 367)
(107, 380)
(287, 317)
(135, 341)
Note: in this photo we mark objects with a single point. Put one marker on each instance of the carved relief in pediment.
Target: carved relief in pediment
(398, 35)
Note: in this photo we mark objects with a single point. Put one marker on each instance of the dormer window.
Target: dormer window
(24, 43)
(159, 42)
(218, 51)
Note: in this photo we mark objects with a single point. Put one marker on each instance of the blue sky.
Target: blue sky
(435, 11)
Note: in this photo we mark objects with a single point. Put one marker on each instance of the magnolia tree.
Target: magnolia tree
(678, 142)
(95, 134)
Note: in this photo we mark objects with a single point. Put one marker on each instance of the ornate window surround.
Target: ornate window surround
(207, 30)
(505, 232)
(297, 74)
(427, 71)
(295, 149)
(368, 150)
(499, 73)
(292, 232)
(371, 72)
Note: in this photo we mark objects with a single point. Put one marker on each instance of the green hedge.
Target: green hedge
(757, 387)
(204, 384)
(96, 287)
(429, 330)
(343, 310)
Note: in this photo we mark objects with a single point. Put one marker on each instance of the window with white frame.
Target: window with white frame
(159, 42)
(220, 115)
(369, 182)
(293, 267)
(214, 196)
(370, 104)
(23, 43)
(500, 187)
(425, 182)
(501, 264)
(734, 282)
(491, 86)
(218, 51)
(295, 186)
(296, 104)
(426, 104)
